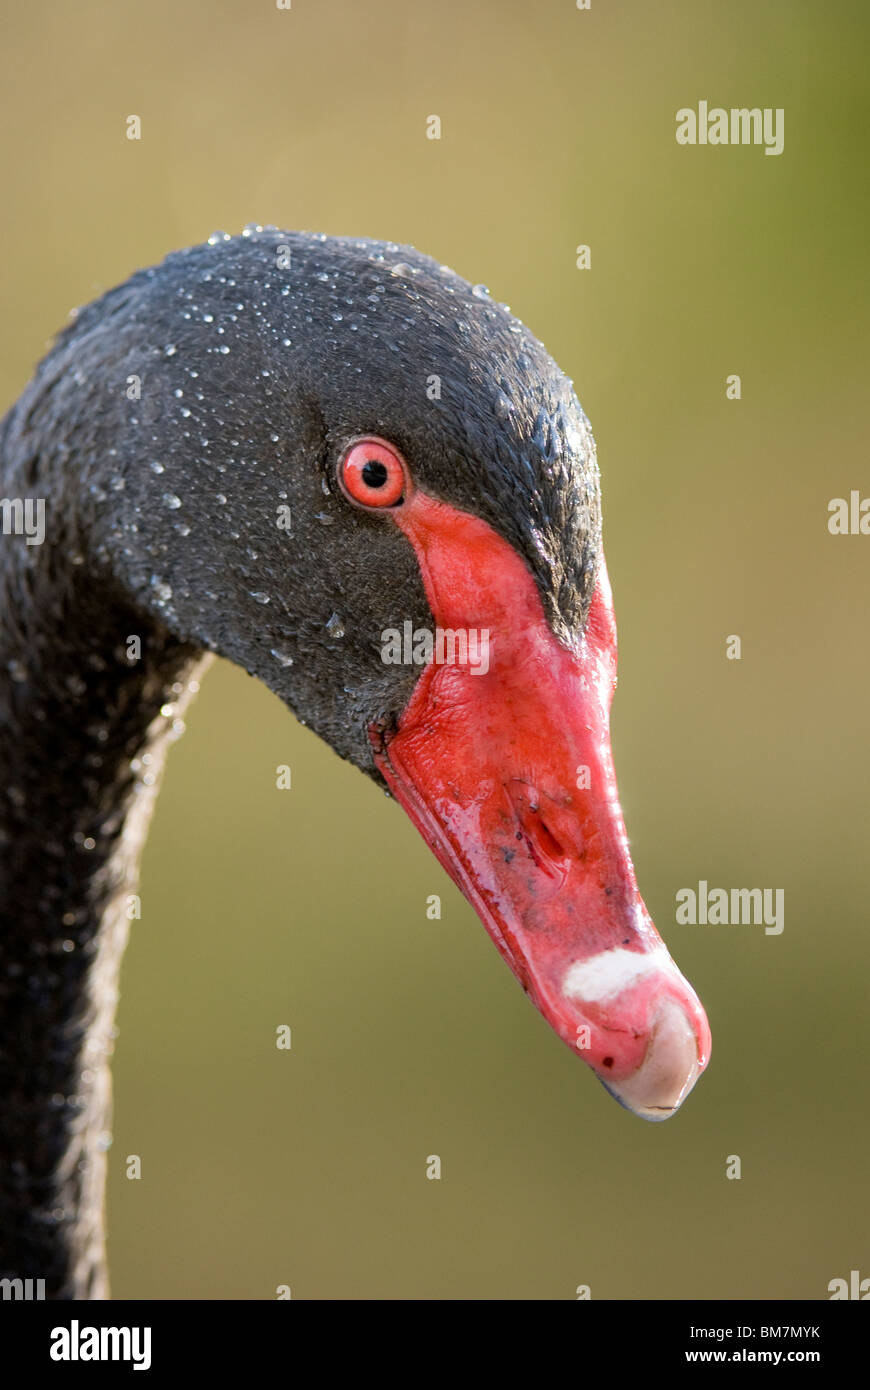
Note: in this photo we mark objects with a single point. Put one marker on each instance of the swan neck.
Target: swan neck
(82, 745)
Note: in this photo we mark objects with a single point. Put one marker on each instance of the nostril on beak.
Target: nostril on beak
(668, 1071)
(542, 839)
(544, 846)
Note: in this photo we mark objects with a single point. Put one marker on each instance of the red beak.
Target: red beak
(502, 760)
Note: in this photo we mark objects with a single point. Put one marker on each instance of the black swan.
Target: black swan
(343, 467)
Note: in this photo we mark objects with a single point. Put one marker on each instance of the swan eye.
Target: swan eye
(373, 474)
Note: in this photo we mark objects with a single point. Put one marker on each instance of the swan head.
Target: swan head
(353, 473)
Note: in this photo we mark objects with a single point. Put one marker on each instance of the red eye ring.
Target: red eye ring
(373, 474)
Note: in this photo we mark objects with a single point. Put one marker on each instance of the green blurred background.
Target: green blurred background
(307, 907)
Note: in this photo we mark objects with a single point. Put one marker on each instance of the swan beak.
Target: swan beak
(507, 773)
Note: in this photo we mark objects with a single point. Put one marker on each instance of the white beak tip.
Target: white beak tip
(668, 1071)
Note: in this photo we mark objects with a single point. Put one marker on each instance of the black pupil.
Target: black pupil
(374, 473)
